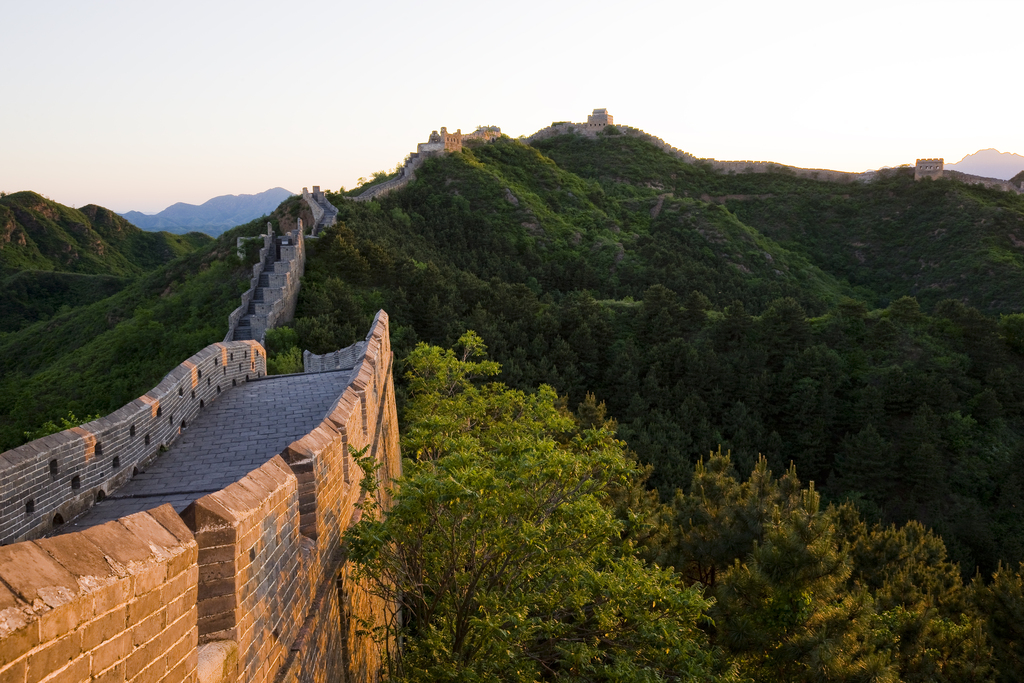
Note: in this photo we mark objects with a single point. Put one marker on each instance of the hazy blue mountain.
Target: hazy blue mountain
(990, 163)
(212, 217)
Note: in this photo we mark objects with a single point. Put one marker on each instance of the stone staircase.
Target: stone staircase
(325, 214)
(278, 281)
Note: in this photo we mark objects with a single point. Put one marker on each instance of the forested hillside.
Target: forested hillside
(54, 258)
(697, 329)
(88, 344)
(39, 234)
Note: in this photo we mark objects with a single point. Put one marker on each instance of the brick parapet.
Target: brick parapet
(257, 270)
(591, 129)
(251, 582)
(115, 602)
(61, 475)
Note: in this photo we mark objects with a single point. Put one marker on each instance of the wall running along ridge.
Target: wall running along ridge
(64, 474)
(325, 214)
(249, 584)
(436, 145)
(592, 129)
(277, 277)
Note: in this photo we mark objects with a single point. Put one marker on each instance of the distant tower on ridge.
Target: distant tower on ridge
(928, 168)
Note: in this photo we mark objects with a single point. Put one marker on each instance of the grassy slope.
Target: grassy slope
(98, 357)
(39, 234)
(889, 238)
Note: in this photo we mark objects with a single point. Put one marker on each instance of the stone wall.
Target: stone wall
(436, 144)
(116, 602)
(991, 183)
(279, 277)
(249, 584)
(257, 271)
(595, 125)
(928, 168)
(336, 360)
(62, 475)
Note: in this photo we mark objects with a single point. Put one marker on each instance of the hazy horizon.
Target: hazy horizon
(137, 107)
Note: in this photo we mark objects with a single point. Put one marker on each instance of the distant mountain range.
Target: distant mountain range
(212, 217)
(990, 163)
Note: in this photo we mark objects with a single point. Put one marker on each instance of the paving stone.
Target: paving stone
(236, 434)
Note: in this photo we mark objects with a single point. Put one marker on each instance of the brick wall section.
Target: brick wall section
(115, 602)
(253, 568)
(64, 473)
(365, 416)
(257, 270)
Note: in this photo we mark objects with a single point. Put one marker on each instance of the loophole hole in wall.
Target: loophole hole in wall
(207, 381)
(225, 369)
(184, 424)
(147, 439)
(170, 420)
(54, 469)
(202, 404)
(252, 554)
(247, 377)
(159, 411)
(30, 506)
(57, 520)
(100, 496)
(218, 388)
(76, 482)
(193, 394)
(239, 367)
(199, 374)
(231, 357)
(181, 391)
(245, 354)
(98, 449)
(131, 431)
(216, 361)
(234, 382)
(135, 471)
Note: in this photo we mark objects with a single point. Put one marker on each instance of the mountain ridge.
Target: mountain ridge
(990, 163)
(213, 216)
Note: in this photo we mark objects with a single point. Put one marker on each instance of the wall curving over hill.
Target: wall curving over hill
(247, 584)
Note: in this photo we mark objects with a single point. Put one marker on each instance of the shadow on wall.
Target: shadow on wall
(244, 586)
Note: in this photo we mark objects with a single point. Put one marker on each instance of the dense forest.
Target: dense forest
(698, 331)
(851, 356)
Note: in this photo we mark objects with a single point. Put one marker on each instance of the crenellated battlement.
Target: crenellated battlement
(245, 584)
(437, 143)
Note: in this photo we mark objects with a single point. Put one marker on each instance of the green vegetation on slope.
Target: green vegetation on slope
(913, 416)
(95, 358)
(32, 295)
(39, 234)
(503, 548)
(892, 237)
(522, 546)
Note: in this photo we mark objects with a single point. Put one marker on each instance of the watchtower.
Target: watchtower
(928, 168)
(600, 117)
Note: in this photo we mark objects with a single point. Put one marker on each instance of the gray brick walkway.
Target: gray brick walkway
(239, 432)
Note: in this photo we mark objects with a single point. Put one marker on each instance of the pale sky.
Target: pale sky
(137, 105)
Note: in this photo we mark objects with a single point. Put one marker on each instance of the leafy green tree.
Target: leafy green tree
(502, 547)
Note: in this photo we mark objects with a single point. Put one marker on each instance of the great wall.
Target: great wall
(195, 534)
(600, 119)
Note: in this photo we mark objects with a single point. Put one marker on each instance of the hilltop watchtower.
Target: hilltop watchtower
(598, 120)
(928, 168)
